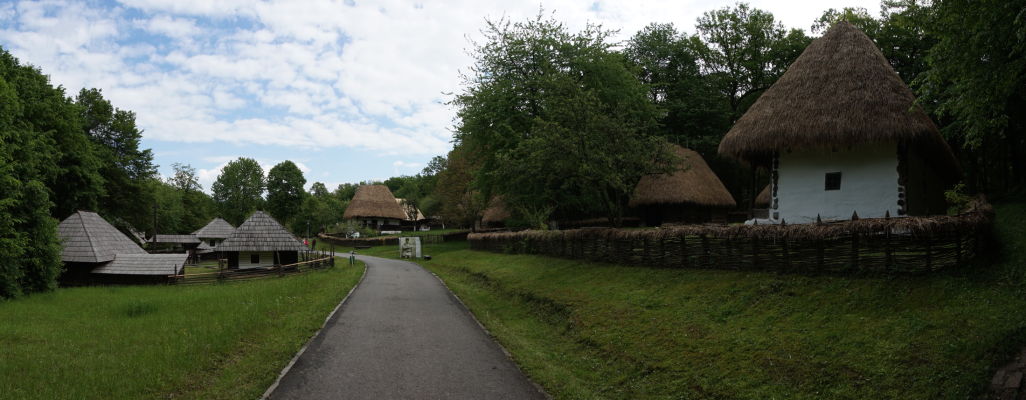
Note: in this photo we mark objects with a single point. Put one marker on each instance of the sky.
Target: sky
(349, 90)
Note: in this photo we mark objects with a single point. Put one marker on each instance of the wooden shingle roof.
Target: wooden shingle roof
(143, 264)
(215, 229)
(88, 238)
(261, 232)
(177, 239)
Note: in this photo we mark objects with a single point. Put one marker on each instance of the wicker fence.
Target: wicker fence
(891, 245)
(391, 240)
(234, 275)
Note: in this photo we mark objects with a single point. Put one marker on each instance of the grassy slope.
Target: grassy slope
(585, 330)
(203, 342)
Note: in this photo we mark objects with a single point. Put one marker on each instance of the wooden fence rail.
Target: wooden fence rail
(905, 245)
(236, 275)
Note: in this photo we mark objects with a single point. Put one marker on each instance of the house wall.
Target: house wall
(869, 183)
(266, 259)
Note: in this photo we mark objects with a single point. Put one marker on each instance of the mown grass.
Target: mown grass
(225, 341)
(586, 330)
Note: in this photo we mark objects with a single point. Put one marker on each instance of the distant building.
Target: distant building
(212, 234)
(374, 206)
(840, 133)
(94, 251)
(260, 242)
(690, 194)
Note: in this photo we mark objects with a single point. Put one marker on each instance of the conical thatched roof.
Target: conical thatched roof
(215, 229)
(840, 92)
(402, 203)
(374, 201)
(693, 183)
(261, 232)
(496, 211)
(89, 238)
(763, 199)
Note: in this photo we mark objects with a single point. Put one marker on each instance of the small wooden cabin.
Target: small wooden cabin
(260, 242)
(211, 235)
(840, 134)
(375, 207)
(95, 252)
(690, 194)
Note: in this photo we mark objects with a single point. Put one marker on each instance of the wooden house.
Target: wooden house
(94, 251)
(840, 134)
(375, 207)
(212, 234)
(690, 194)
(260, 242)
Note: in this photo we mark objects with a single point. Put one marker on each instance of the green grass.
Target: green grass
(585, 330)
(226, 341)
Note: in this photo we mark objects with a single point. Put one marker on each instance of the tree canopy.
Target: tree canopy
(239, 190)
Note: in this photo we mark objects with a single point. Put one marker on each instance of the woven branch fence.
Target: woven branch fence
(391, 240)
(235, 275)
(905, 245)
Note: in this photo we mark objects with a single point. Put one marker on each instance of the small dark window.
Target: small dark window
(254, 259)
(212, 243)
(833, 181)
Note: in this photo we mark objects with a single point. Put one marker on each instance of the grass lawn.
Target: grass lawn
(225, 341)
(585, 330)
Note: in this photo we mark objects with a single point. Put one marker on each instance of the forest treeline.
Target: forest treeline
(560, 124)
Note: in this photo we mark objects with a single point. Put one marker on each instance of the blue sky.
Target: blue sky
(349, 90)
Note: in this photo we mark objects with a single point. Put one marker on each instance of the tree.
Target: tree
(285, 191)
(746, 50)
(184, 178)
(461, 205)
(558, 122)
(976, 85)
(693, 113)
(239, 189)
(124, 165)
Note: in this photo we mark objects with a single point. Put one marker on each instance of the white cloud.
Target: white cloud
(320, 74)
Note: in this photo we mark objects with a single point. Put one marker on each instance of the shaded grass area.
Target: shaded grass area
(587, 330)
(226, 341)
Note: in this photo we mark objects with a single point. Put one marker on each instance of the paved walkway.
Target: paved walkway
(402, 335)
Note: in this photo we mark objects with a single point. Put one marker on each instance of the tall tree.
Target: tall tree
(285, 191)
(745, 49)
(693, 113)
(558, 121)
(976, 82)
(239, 189)
(124, 165)
(198, 207)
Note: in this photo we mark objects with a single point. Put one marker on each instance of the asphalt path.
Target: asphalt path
(403, 335)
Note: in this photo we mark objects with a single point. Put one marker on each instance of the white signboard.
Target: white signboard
(409, 247)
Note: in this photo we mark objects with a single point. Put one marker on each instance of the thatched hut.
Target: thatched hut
(94, 251)
(840, 133)
(691, 193)
(260, 242)
(496, 214)
(374, 206)
(762, 200)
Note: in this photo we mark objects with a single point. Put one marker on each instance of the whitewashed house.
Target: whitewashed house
(841, 134)
(260, 242)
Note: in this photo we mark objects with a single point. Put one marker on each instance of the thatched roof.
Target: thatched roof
(374, 201)
(176, 239)
(261, 232)
(402, 203)
(764, 197)
(693, 183)
(496, 211)
(89, 238)
(143, 264)
(215, 229)
(840, 92)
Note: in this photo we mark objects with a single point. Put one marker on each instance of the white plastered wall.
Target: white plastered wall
(266, 259)
(869, 183)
